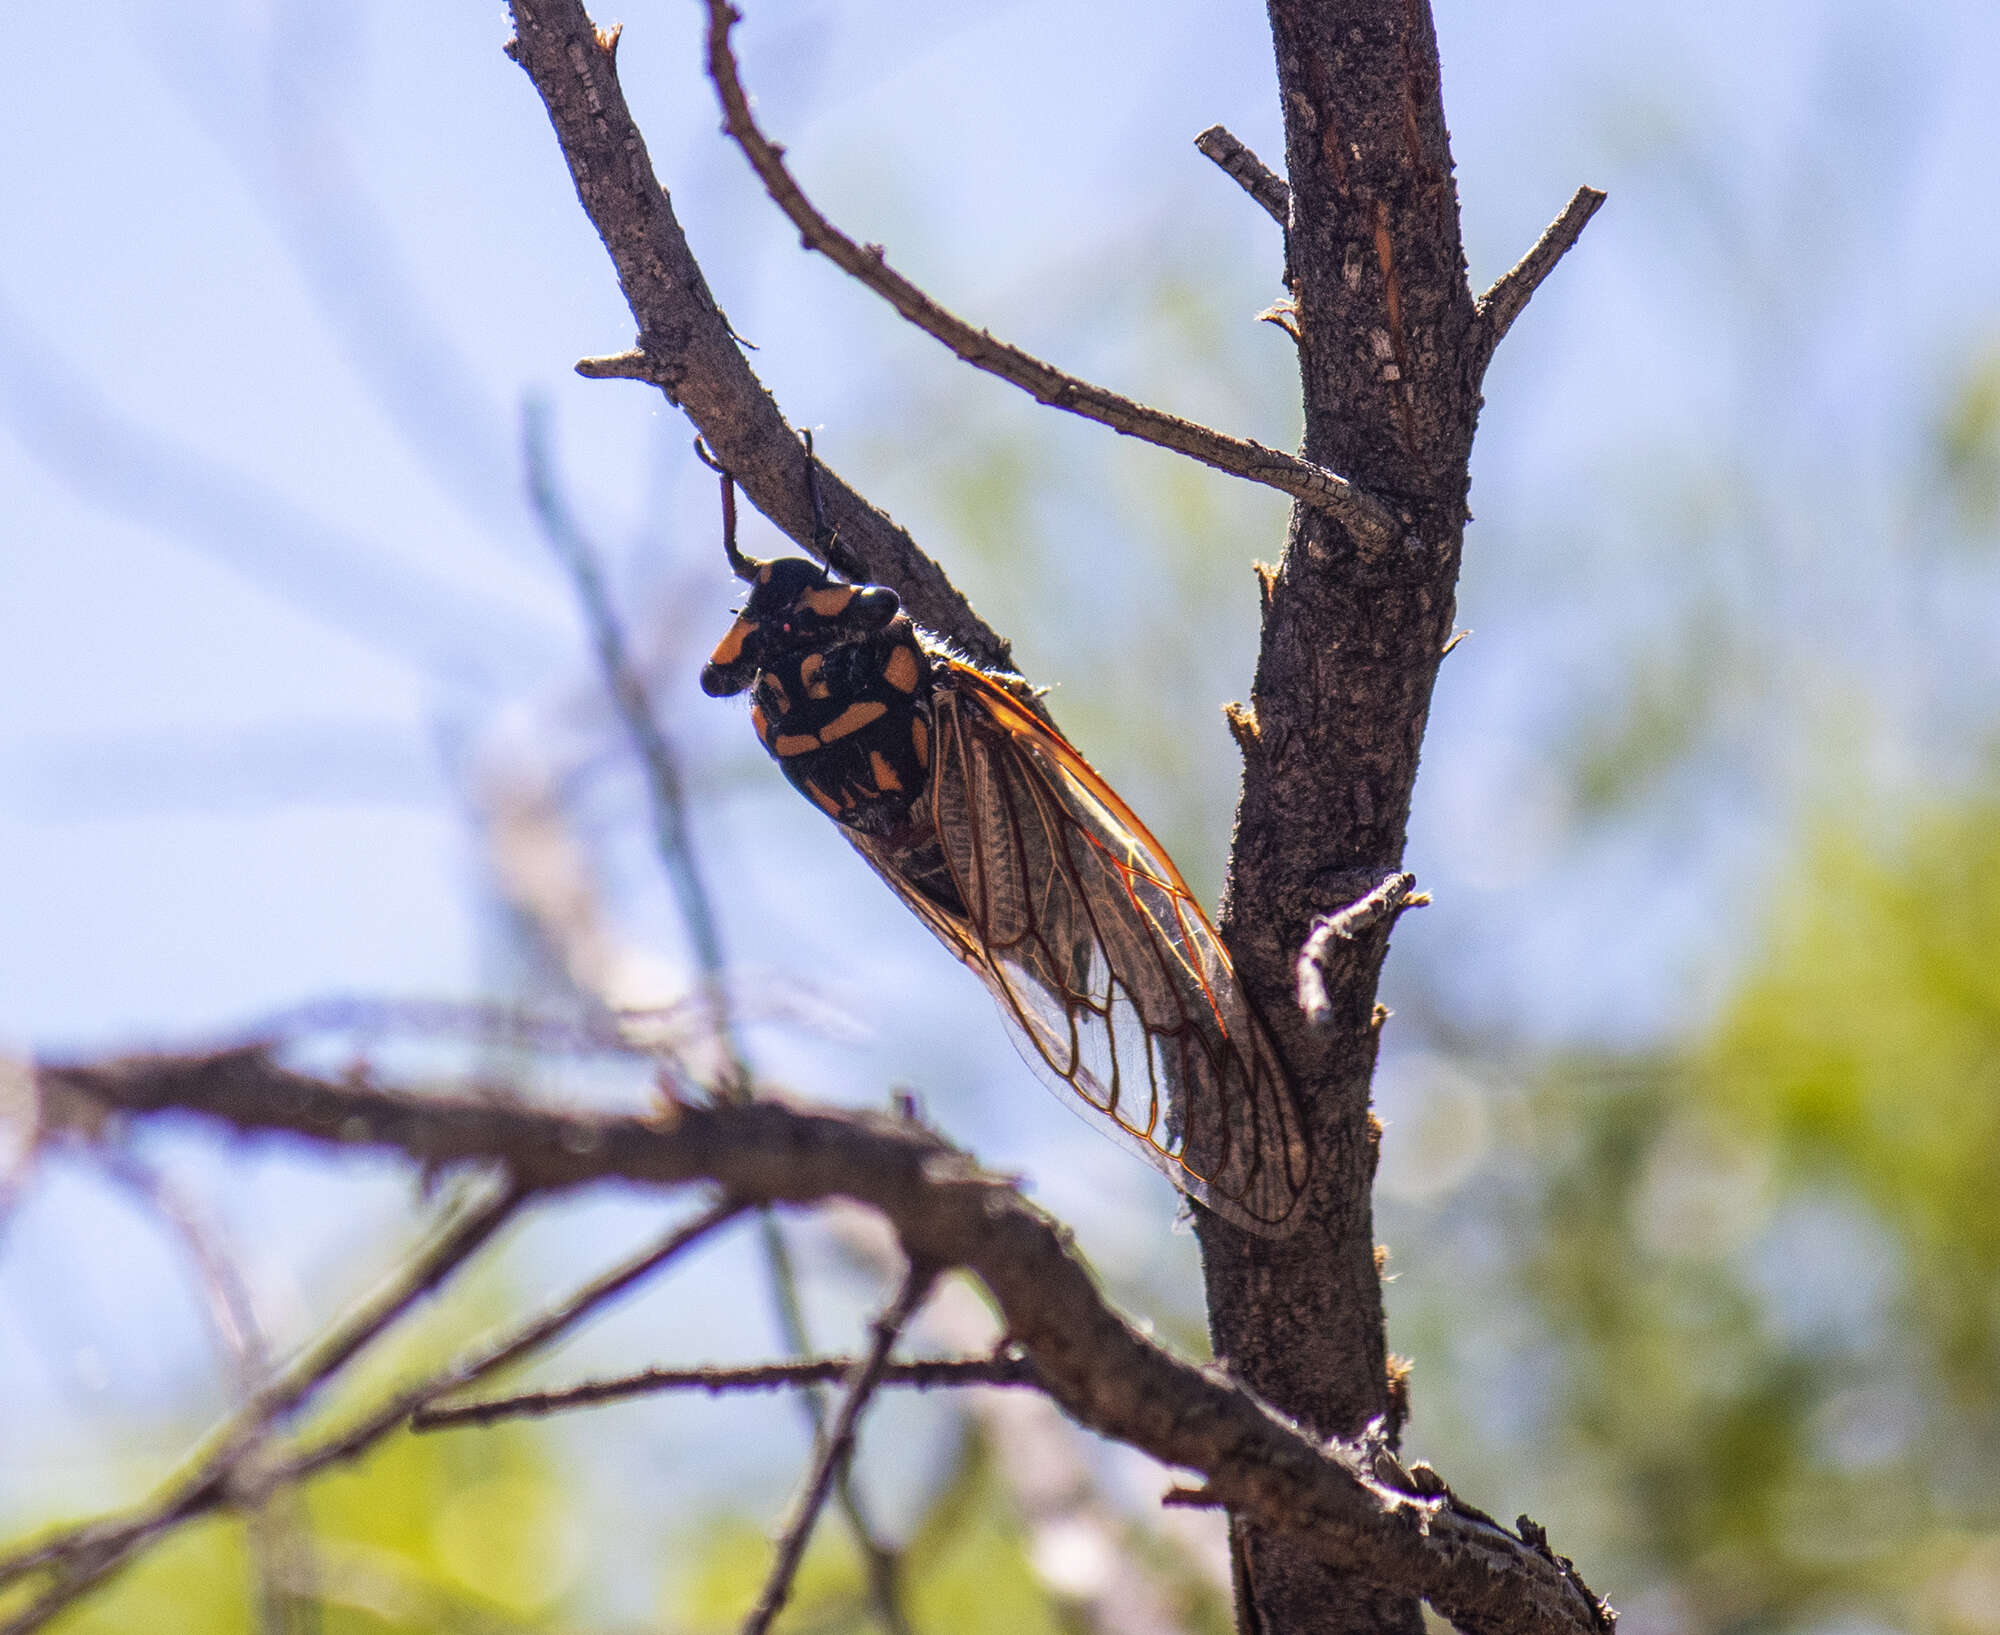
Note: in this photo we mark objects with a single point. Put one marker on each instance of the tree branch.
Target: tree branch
(1106, 1375)
(496, 1354)
(1248, 172)
(836, 1449)
(686, 347)
(926, 1374)
(1361, 513)
(666, 795)
(1511, 292)
(1384, 901)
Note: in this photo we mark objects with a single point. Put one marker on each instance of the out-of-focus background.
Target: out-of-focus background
(1693, 1086)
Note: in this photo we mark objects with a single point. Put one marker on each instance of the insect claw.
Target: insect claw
(744, 567)
(826, 543)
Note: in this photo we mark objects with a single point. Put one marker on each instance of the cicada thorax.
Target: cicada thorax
(842, 695)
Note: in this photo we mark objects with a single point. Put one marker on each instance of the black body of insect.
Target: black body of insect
(997, 833)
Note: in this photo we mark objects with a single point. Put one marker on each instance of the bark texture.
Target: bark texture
(1353, 631)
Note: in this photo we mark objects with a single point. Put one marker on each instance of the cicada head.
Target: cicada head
(795, 606)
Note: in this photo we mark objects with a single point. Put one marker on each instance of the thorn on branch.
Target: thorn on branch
(633, 365)
(1388, 898)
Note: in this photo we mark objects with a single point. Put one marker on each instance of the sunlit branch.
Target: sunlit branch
(1385, 900)
(1248, 172)
(686, 346)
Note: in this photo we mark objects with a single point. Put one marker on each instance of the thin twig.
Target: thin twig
(1509, 296)
(1248, 172)
(665, 789)
(84, 1556)
(925, 1374)
(878, 1559)
(1360, 513)
(1389, 896)
(225, 1296)
(275, 1527)
(836, 1448)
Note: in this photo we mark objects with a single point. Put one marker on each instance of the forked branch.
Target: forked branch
(1360, 513)
(836, 1449)
(686, 346)
(947, 1213)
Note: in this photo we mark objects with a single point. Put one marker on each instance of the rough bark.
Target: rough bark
(1352, 636)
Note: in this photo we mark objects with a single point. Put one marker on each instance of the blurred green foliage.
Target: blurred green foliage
(1770, 1261)
(1968, 443)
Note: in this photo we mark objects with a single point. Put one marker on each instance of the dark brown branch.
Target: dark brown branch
(836, 1450)
(83, 1557)
(948, 1213)
(1248, 172)
(685, 346)
(1384, 901)
(925, 1374)
(1346, 666)
(1511, 292)
(1361, 513)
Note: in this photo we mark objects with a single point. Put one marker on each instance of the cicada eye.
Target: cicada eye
(874, 606)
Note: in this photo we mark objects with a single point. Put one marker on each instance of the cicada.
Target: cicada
(1026, 865)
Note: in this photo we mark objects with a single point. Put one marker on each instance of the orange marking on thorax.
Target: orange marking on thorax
(730, 648)
(795, 743)
(829, 603)
(901, 670)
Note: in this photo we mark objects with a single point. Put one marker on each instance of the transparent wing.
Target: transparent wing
(1101, 958)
